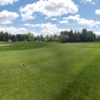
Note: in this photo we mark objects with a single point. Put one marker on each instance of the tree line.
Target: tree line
(5, 36)
(64, 36)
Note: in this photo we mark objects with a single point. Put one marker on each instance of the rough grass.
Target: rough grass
(20, 46)
(51, 71)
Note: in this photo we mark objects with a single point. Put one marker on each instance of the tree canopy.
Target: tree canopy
(64, 36)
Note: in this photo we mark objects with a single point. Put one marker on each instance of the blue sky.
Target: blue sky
(49, 16)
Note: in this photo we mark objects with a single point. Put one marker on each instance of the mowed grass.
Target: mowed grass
(51, 71)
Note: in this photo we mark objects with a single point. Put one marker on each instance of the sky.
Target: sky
(49, 17)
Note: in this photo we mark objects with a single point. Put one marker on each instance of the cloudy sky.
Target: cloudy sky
(49, 16)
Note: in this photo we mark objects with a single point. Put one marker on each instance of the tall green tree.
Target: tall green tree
(64, 37)
(91, 36)
(71, 36)
(84, 37)
(30, 37)
(77, 37)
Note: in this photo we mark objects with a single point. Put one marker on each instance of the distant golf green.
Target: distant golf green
(50, 71)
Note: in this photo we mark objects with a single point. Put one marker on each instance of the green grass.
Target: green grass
(51, 71)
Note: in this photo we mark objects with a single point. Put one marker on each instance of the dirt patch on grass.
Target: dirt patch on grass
(5, 45)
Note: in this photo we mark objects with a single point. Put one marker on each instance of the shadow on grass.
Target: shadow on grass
(86, 86)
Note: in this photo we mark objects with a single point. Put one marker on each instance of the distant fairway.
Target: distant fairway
(50, 71)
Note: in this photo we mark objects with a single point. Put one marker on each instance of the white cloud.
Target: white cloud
(63, 21)
(47, 28)
(97, 33)
(89, 1)
(41, 25)
(87, 22)
(81, 21)
(75, 17)
(54, 19)
(49, 8)
(66, 19)
(13, 30)
(97, 11)
(7, 17)
(6, 2)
